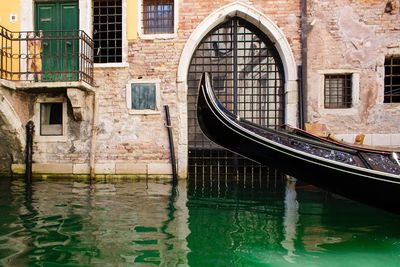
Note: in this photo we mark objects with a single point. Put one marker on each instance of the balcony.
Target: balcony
(46, 59)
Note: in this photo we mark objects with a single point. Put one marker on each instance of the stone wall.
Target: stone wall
(68, 151)
(142, 140)
(129, 143)
(14, 110)
(353, 36)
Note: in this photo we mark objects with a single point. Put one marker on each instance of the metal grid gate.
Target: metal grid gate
(247, 76)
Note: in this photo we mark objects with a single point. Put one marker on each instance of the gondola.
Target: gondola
(367, 176)
(333, 140)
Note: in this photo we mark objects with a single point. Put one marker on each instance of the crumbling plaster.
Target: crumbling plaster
(354, 35)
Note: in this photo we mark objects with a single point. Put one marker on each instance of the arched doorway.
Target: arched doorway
(247, 76)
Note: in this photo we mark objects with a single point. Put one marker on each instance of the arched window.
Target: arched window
(247, 76)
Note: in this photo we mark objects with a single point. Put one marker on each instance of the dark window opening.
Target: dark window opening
(338, 91)
(51, 119)
(158, 16)
(107, 31)
(392, 80)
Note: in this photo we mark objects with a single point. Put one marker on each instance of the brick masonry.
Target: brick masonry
(139, 139)
(338, 35)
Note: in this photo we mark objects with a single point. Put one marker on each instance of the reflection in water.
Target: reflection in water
(246, 221)
(278, 222)
(290, 219)
(104, 225)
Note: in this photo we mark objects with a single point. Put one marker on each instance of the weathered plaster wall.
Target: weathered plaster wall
(130, 143)
(14, 109)
(140, 141)
(353, 36)
(69, 151)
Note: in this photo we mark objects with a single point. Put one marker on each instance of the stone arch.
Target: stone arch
(12, 132)
(256, 18)
(270, 29)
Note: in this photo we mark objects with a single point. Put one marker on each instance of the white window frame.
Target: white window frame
(355, 92)
(142, 35)
(156, 82)
(124, 63)
(50, 138)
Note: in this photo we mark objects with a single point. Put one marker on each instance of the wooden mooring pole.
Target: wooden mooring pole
(30, 128)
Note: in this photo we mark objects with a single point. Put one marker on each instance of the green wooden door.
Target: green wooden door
(58, 22)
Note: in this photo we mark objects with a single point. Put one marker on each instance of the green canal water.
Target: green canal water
(203, 223)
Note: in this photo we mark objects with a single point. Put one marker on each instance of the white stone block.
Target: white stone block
(380, 139)
(368, 140)
(130, 168)
(395, 140)
(54, 168)
(159, 168)
(104, 168)
(81, 168)
(348, 138)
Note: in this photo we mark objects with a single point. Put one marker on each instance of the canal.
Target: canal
(242, 217)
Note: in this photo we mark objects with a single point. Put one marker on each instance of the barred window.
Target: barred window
(392, 80)
(107, 31)
(158, 16)
(338, 91)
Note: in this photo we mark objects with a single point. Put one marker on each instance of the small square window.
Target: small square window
(338, 91)
(143, 96)
(392, 80)
(158, 16)
(51, 119)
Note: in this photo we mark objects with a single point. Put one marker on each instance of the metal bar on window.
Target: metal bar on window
(392, 80)
(107, 31)
(338, 91)
(158, 16)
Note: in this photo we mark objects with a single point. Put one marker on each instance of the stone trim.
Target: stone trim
(146, 111)
(273, 32)
(36, 118)
(249, 13)
(114, 169)
(355, 92)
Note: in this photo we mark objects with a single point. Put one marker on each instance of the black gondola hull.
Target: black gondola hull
(374, 188)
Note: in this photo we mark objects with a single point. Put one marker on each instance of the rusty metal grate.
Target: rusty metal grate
(107, 31)
(46, 56)
(247, 76)
(221, 173)
(392, 80)
(338, 91)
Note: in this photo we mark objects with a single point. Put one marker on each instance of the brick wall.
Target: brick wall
(355, 36)
(141, 140)
(124, 137)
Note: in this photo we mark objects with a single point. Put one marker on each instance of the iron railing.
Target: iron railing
(46, 56)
